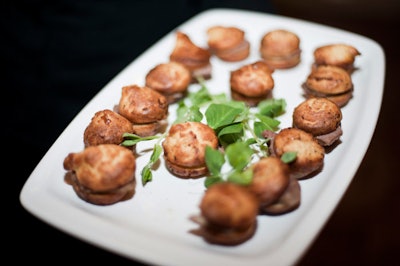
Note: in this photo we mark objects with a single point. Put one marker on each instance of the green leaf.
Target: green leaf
(185, 113)
(211, 180)
(250, 141)
(194, 114)
(241, 177)
(218, 115)
(132, 139)
(230, 133)
(146, 174)
(272, 107)
(156, 153)
(200, 97)
(239, 155)
(181, 112)
(289, 157)
(214, 160)
(236, 128)
(268, 121)
(259, 127)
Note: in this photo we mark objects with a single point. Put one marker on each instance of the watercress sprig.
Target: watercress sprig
(132, 139)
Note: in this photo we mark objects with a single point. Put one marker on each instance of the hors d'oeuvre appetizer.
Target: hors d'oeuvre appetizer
(338, 54)
(228, 43)
(146, 108)
(331, 82)
(309, 153)
(252, 83)
(185, 146)
(228, 214)
(280, 49)
(194, 57)
(102, 174)
(321, 117)
(276, 192)
(171, 79)
(106, 127)
(270, 179)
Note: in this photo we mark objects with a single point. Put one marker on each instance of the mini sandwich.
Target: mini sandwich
(171, 79)
(185, 146)
(228, 43)
(321, 117)
(146, 108)
(276, 192)
(309, 153)
(270, 179)
(340, 55)
(103, 174)
(280, 49)
(106, 127)
(252, 83)
(195, 58)
(331, 82)
(228, 215)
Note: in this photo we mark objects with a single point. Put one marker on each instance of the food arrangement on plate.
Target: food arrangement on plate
(240, 129)
(161, 222)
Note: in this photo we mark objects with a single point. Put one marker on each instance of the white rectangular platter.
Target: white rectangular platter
(153, 226)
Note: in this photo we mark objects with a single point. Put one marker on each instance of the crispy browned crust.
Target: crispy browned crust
(280, 49)
(317, 116)
(310, 154)
(340, 55)
(145, 108)
(228, 214)
(184, 148)
(106, 126)
(252, 83)
(194, 57)
(329, 80)
(270, 179)
(228, 43)
(170, 79)
(103, 174)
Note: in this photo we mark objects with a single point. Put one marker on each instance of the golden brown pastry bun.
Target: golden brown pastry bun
(310, 154)
(146, 108)
(331, 82)
(184, 148)
(106, 127)
(321, 117)
(270, 180)
(195, 58)
(228, 43)
(340, 55)
(280, 49)
(228, 214)
(103, 174)
(252, 83)
(171, 79)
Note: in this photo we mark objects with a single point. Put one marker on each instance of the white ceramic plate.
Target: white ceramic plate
(153, 226)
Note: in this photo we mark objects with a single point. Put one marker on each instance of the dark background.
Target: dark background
(56, 55)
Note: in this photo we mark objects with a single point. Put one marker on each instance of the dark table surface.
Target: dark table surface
(52, 69)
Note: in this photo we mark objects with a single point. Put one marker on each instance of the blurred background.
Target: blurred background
(57, 55)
